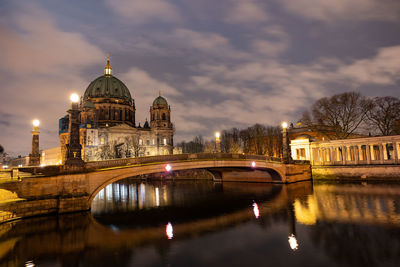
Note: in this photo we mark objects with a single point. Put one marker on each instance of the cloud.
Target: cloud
(383, 69)
(246, 12)
(145, 89)
(209, 43)
(148, 11)
(37, 45)
(41, 66)
(336, 11)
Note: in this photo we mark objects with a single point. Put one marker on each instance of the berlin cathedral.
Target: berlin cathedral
(108, 128)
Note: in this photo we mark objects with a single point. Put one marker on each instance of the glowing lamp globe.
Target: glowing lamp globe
(74, 98)
(36, 123)
(253, 164)
(284, 125)
(217, 134)
(168, 168)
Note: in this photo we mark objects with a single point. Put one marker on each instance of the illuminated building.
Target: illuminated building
(108, 128)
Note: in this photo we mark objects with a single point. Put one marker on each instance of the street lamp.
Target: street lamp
(285, 141)
(217, 142)
(74, 98)
(36, 123)
(73, 155)
(34, 156)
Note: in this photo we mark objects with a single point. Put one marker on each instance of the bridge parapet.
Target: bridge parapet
(177, 157)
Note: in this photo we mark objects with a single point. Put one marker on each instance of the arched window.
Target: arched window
(164, 117)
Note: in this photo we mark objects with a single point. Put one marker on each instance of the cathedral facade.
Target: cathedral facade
(108, 128)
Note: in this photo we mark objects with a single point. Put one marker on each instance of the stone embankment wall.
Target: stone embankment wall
(360, 172)
(43, 195)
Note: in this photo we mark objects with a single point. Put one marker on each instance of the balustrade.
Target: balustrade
(360, 151)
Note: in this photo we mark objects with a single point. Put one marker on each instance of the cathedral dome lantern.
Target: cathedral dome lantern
(108, 69)
(111, 98)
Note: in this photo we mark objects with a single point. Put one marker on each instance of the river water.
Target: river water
(202, 223)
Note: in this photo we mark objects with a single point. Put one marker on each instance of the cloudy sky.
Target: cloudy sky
(219, 63)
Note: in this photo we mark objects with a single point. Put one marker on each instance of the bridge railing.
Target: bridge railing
(177, 157)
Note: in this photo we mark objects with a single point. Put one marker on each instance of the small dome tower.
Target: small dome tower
(160, 123)
(160, 113)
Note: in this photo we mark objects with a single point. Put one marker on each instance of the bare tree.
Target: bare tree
(106, 151)
(341, 114)
(273, 141)
(230, 141)
(209, 147)
(134, 147)
(194, 146)
(384, 114)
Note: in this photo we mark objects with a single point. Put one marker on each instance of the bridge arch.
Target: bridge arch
(214, 167)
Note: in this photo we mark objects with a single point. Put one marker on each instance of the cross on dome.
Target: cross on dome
(108, 69)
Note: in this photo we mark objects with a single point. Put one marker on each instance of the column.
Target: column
(344, 155)
(381, 153)
(356, 154)
(34, 156)
(395, 152)
(360, 157)
(368, 152)
(385, 154)
(74, 157)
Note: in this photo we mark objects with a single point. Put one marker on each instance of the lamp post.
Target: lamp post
(217, 142)
(34, 156)
(73, 156)
(285, 141)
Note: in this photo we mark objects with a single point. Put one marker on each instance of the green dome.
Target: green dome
(89, 104)
(107, 86)
(160, 101)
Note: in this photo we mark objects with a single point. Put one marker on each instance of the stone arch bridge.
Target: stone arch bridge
(52, 190)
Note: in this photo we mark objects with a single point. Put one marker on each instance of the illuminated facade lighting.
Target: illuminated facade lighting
(253, 164)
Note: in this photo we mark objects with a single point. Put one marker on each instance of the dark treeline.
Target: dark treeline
(343, 115)
(256, 139)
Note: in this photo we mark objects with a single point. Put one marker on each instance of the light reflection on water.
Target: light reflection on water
(135, 223)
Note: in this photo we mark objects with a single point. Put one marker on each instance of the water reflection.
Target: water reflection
(372, 204)
(169, 231)
(205, 224)
(256, 210)
(293, 242)
(125, 196)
